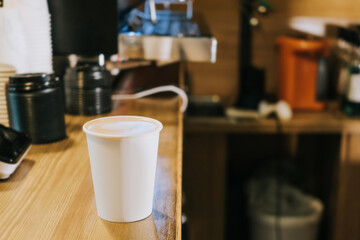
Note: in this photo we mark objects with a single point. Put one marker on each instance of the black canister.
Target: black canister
(35, 105)
(87, 90)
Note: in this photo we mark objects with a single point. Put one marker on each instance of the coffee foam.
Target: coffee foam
(120, 126)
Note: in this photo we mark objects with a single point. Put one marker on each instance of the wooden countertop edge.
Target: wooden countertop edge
(179, 175)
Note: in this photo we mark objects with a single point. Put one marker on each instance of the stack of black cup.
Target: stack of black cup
(35, 105)
(87, 90)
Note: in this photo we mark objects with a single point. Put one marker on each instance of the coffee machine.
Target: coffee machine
(166, 30)
(83, 27)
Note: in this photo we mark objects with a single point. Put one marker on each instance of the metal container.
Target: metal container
(87, 90)
(35, 105)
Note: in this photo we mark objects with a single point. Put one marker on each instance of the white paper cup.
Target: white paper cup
(123, 155)
(13, 45)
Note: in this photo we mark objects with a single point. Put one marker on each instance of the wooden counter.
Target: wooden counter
(330, 158)
(50, 196)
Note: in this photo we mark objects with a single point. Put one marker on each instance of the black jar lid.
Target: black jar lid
(32, 81)
(87, 77)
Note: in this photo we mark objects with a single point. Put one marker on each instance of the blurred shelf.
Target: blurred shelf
(127, 64)
(302, 122)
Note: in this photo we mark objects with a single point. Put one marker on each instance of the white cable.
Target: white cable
(167, 88)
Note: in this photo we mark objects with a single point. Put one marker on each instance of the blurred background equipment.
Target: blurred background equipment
(251, 78)
(298, 217)
(302, 71)
(349, 72)
(84, 27)
(281, 110)
(165, 31)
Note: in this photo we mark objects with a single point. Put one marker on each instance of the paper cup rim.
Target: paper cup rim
(158, 128)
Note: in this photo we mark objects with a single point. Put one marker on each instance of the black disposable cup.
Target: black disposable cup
(87, 90)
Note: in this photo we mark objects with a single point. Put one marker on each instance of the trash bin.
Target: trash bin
(297, 219)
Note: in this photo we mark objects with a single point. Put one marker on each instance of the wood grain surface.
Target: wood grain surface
(50, 196)
(204, 185)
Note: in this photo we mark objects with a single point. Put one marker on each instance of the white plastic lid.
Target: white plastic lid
(122, 126)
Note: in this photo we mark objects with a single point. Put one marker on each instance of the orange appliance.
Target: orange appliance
(298, 71)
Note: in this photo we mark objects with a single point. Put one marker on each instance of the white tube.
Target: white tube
(167, 88)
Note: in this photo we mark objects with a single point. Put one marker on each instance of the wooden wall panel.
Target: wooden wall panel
(204, 170)
(221, 77)
(347, 221)
(223, 17)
